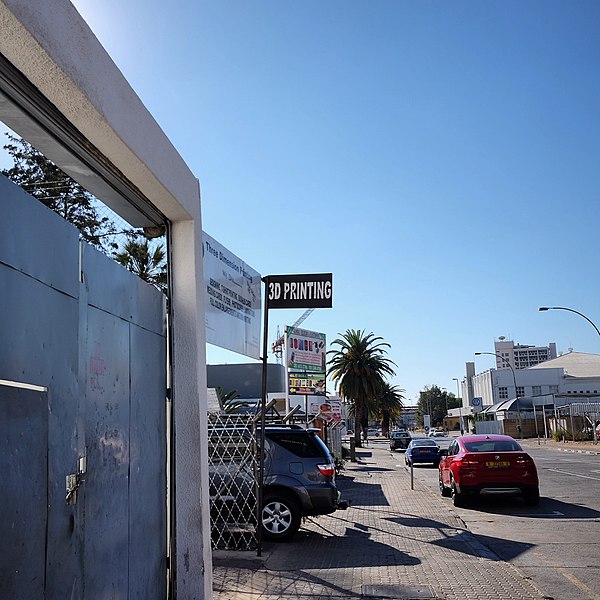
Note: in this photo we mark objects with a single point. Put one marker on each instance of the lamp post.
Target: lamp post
(544, 308)
(515, 383)
(457, 387)
(460, 417)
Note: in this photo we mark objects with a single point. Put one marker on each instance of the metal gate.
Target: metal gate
(83, 463)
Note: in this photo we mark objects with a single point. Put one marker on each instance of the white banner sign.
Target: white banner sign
(233, 300)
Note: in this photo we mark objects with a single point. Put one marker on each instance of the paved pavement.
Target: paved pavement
(577, 447)
(394, 542)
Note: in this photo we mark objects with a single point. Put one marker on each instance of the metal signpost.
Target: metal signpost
(286, 291)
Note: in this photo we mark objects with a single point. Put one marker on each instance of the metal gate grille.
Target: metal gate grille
(233, 476)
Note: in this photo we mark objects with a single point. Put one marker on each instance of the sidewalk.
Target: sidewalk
(569, 446)
(393, 542)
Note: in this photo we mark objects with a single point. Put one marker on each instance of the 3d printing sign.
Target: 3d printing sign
(300, 291)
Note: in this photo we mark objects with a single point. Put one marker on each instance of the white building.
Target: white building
(574, 375)
(521, 356)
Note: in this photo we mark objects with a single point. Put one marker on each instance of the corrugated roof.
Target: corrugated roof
(575, 364)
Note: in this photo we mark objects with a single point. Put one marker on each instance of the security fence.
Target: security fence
(578, 420)
(233, 477)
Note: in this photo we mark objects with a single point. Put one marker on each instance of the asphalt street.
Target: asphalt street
(555, 543)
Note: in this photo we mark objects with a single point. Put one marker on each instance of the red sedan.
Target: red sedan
(484, 463)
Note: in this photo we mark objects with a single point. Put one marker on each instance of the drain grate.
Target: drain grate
(398, 592)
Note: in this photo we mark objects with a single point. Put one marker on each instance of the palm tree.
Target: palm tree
(229, 401)
(143, 260)
(389, 406)
(358, 368)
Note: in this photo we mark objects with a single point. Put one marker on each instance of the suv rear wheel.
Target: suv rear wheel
(458, 498)
(280, 517)
(531, 496)
(446, 492)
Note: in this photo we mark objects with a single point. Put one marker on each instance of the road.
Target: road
(556, 544)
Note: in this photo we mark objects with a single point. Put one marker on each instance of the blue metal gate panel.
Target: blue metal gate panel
(24, 492)
(36, 241)
(100, 349)
(147, 450)
(112, 288)
(107, 442)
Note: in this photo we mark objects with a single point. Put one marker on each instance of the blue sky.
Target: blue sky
(440, 158)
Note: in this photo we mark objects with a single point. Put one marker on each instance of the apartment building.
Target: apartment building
(521, 356)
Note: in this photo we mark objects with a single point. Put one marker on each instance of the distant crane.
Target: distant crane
(278, 344)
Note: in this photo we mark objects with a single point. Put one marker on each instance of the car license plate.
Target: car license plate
(497, 464)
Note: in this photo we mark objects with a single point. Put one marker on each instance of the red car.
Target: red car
(487, 463)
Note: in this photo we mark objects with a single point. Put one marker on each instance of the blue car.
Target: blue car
(422, 450)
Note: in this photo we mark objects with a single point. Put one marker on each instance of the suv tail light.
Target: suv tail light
(328, 470)
(524, 460)
(466, 463)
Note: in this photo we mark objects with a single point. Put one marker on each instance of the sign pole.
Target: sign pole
(285, 291)
(263, 406)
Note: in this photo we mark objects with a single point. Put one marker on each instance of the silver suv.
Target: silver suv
(299, 480)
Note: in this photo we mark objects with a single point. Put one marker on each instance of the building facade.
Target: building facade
(574, 375)
(521, 356)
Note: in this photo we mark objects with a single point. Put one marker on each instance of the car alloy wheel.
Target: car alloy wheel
(280, 518)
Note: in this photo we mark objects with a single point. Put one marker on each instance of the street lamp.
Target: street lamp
(460, 415)
(544, 308)
(457, 387)
(504, 359)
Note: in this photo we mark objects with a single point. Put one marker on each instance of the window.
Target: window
(492, 446)
(554, 389)
(520, 390)
(503, 393)
(304, 446)
(536, 390)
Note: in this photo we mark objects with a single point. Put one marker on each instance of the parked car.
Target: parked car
(422, 450)
(299, 481)
(475, 464)
(399, 440)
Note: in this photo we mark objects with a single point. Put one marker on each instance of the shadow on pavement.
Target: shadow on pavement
(355, 548)
(505, 550)
(513, 505)
(362, 494)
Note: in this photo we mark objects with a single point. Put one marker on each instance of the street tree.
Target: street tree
(359, 368)
(46, 182)
(389, 406)
(435, 402)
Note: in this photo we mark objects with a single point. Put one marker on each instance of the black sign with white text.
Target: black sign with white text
(299, 291)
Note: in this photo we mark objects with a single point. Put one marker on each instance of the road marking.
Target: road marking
(554, 513)
(575, 474)
(570, 577)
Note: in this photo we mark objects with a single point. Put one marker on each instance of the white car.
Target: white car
(436, 433)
